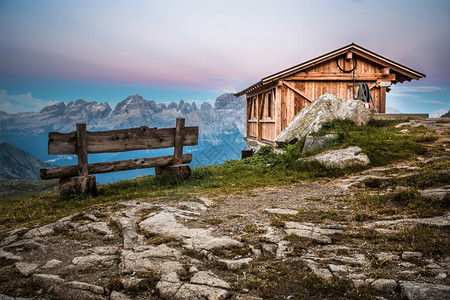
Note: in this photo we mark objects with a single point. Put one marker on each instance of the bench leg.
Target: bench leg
(78, 185)
(183, 172)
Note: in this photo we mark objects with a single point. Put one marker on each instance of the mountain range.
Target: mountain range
(221, 126)
(133, 111)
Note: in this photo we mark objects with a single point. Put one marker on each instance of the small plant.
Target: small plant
(277, 222)
(213, 221)
(233, 216)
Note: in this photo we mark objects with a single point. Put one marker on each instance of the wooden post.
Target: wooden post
(83, 183)
(382, 108)
(82, 149)
(179, 137)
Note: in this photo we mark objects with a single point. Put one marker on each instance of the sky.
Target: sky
(103, 50)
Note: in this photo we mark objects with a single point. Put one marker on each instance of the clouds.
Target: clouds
(420, 89)
(21, 103)
(412, 98)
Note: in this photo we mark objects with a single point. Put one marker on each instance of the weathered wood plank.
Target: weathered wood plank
(340, 76)
(82, 149)
(113, 166)
(179, 137)
(292, 87)
(140, 138)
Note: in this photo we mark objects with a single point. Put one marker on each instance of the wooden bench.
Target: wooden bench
(78, 178)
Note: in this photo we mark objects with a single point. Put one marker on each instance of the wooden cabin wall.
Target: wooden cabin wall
(339, 87)
(262, 114)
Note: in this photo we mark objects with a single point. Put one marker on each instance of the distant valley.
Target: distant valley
(221, 126)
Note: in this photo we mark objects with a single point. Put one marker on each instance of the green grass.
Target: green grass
(379, 140)
(432, 241)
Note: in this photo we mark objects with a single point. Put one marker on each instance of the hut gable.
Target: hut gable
(275, 100)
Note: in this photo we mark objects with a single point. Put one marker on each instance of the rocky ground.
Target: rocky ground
(311, 240)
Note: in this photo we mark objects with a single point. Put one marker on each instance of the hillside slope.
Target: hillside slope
(267, 227)
(18, 164)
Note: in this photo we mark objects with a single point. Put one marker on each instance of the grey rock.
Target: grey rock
(168, 285)
(325, 108)
(92, 217)
(270, 249)
(208, 202)
(9, 256)
(127, 225)
(51, 264)
(440, 194)
(193, 206)
(237, 264)
(160, 259)
(342, 158)
(28, 244)
(244, 297)
(119, 296)
(165, 223)
(94, 260)
(424, 291)
(408, 255)
(195, 291)
(133, 282)
(26, 268)
(283, 250)
(281, 211)
(48, 229)
(337, 268)
(321, 272)
(8, 240)
(79, 290)
(386, 256)
(311, 231)
(99, 228)
(47, 281)
(315, 142)
(209, 279)
(386, 285)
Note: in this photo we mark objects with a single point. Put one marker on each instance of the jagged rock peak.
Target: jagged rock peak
(205, 106)
(230, 101)
(57, 107)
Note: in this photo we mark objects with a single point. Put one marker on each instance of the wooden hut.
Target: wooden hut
(275, 100)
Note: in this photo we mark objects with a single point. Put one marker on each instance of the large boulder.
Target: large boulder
(325, 108)
(342, 158)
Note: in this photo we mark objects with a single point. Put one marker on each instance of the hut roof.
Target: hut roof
(403, 73)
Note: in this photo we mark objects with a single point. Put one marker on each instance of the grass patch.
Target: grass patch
(213, 221)
(432, 241)
(275, 280)
(231, 252)
(13, 283)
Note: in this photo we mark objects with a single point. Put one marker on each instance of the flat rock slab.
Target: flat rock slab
(311, 231)
(315, 142)
(165, 223)
(26, 268)
(436, 221)
(281, 211)
(424, 291)
(342, 158)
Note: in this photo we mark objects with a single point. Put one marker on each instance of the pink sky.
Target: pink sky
(207, 47)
